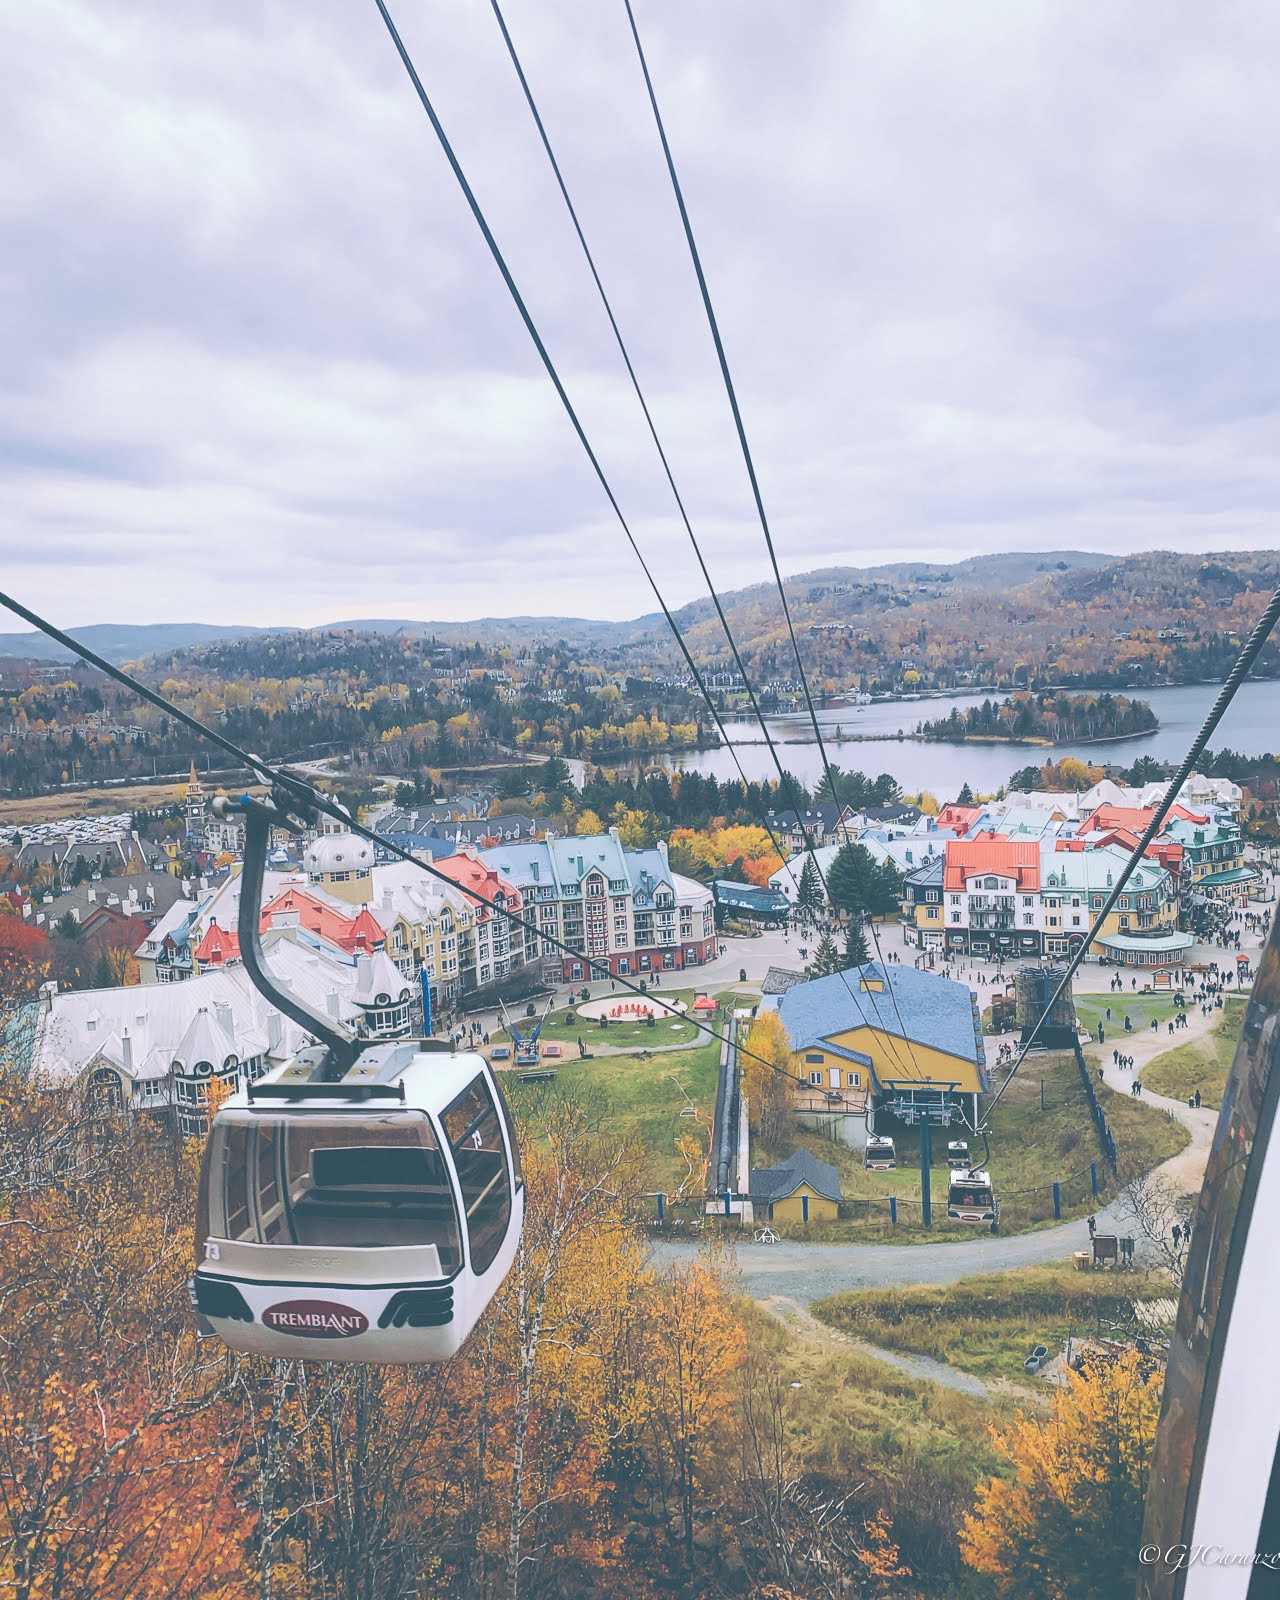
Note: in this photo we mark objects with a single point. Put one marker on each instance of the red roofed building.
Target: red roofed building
(959, 819)
(1135, 819)
(991, 897)
(499, 942)
(358, 935)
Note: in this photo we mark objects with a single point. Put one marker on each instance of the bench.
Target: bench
(542, 1075)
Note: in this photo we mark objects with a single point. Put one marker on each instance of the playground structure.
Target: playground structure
(528, 1051)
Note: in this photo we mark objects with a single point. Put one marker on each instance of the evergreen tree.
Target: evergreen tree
(826, 958)
(965, 797)
(855, 946)
(809, 892)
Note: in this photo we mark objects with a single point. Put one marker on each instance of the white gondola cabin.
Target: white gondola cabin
(880, 1154)
(958, 1155)
(971, 1198)
(368, 1219)
(364, 1201)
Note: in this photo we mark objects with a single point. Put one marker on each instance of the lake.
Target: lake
(855, 737)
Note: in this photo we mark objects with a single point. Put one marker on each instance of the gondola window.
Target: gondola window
(475, 1136)
(322, 1182)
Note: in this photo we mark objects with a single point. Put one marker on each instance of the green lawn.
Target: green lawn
(1030, 1149)
(631, 1035)
(988, 1325)
(1142, 1010)
(643, 1097)
(1201, 1063)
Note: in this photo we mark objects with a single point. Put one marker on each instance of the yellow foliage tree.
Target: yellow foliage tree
(767, 1077)
(589, 823)
(1086, 1468)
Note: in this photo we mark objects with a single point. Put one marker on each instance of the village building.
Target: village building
(877, 1043)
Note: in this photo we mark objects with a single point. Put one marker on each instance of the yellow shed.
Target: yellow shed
(800, 1189)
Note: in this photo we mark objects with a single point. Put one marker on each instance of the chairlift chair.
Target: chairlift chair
(361, 1203)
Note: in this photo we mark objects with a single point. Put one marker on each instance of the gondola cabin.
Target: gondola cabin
(971, 1198)
(958, 1155)
(366, 1219)
(880, 1154)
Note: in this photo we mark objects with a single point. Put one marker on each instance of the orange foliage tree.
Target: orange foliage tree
(1087, 1467)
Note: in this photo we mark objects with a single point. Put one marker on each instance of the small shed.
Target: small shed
(799, 1189)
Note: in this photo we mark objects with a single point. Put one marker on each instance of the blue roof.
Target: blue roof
(776, 1183)
(648, 871)
(526, 862)
(919, 1006)
(428, 844)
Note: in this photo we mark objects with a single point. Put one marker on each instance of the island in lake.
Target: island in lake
(1028, 718)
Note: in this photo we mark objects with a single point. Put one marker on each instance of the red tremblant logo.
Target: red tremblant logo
(315, 1319)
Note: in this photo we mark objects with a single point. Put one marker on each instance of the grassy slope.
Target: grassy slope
(639, 1035)
(865, 1429)
(644, 1097)
(988, 1325)
(1200, 1064)
(1030, 1148)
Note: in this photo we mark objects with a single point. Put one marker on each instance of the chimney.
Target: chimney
(364, 974)
(224, 1014)
(126, 1051)
(331, 1005)
(48, 991)
(275, 1032)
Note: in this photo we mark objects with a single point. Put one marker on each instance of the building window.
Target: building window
(855, 1080)
(815, 1079)
(815, 1055)
(1028, 918)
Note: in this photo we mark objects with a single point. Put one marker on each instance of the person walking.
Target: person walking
(1093, 1228)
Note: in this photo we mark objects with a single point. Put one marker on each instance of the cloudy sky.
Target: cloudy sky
(990, 275)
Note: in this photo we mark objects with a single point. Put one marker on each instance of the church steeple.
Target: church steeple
(195, 808)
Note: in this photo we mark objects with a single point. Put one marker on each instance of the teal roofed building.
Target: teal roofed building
(1215, 853)
(604, 911)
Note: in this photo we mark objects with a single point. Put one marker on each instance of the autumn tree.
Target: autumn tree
(696, 1343)
(768, 1077)
(1086, 1467)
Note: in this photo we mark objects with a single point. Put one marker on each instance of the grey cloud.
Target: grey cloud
(992, 275)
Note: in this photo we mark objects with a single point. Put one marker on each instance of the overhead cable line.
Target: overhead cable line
(531, 327)
(786, 779)
(313, 799)
(1248, 655)
(748, 460)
